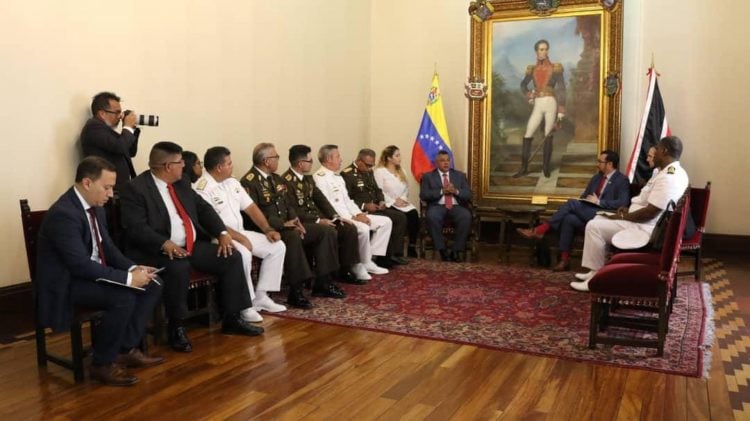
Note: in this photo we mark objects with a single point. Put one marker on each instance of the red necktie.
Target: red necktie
(602, 182)
(189, 235)
(448, 197)
(92, 214)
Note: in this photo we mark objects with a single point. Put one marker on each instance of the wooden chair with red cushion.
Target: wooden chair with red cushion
(31, 222)
(699, 199)
(632, 281)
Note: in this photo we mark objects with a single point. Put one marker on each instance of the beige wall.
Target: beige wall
(349, 72)
(217, 72)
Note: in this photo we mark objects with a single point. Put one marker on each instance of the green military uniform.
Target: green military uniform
(363, 189)
(311, 204)
(270, 194)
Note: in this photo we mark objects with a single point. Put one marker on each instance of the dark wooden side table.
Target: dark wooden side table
(508, 216)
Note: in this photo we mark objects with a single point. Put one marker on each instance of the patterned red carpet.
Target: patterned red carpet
(509, 308)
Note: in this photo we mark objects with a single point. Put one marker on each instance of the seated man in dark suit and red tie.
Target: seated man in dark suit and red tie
(447, 194)
(169, 225)
(608, 189)
(74, 251)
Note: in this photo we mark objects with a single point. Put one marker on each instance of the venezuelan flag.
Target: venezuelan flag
(433, 134)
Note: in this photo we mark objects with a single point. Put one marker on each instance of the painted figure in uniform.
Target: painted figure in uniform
(548, 99)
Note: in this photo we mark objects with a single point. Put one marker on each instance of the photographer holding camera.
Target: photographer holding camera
(99, 138)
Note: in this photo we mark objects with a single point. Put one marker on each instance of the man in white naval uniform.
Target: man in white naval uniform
(228, 198)
(333, 187)
(668, 184)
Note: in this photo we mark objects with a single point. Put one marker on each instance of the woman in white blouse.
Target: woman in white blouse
(392, 181)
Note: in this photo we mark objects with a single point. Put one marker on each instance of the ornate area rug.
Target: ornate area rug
(512, 309)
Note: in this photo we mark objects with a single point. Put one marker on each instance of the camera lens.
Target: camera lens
(148, 120)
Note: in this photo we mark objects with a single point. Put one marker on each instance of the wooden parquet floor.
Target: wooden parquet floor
(301, 370)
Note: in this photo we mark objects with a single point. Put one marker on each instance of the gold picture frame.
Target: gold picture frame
(584, 55)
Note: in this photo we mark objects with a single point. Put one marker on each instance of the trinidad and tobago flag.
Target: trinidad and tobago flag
(654, 126)
(432, 136)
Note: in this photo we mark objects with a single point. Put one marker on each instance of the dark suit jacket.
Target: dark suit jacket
(98, 139)
(432, 183)
(616, 194)
(64, 256)
(308, 201)
(146, 220)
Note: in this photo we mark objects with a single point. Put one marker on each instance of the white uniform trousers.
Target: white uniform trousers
(599, 233)
(544, 107)
(272, 267)
(381, 227)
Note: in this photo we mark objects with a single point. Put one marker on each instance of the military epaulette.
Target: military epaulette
(288, 177)
(530, 69)
(321, 173)
(670, 170)
(557, 68)
(201, 184)
(250, 176)
(347, 169)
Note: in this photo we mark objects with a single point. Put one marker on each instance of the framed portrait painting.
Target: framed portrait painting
(552, 72)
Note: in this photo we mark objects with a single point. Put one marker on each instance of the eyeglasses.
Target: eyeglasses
(180, 162)
(113, 112)
(198, 163)
(309, 161)
(599, 161)
(273, 157)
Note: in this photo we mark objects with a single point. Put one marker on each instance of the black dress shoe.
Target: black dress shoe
(349, 278)
(399, 260)
(384, 262)
(446, 255)
(330, 290)
(178, 339)
(459, 256)
(296, 299)
(236, 326)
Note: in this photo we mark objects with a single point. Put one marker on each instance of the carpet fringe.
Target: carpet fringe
(709, 332)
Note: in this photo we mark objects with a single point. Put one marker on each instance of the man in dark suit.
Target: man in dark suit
(99, 138)
(608, 189)
(269, 191)
(74, 251)
(312, 207)
(447, 194)
(364, 191)
(169, 225)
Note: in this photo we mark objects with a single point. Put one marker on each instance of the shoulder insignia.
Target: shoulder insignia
(557, 68)
(670, 170)
(321, 173)
(250, 177)
(288, 177)
(529, 69)
(201, 184)
(347, 169)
